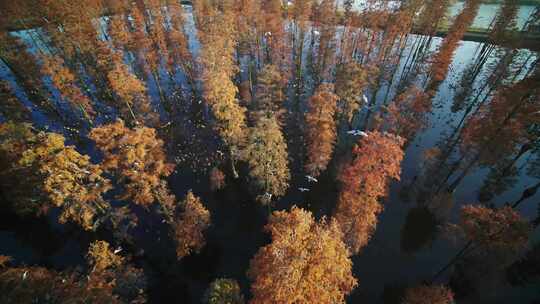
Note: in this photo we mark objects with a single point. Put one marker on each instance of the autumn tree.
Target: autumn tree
(100, 256)
(136, 157)
(444, 55)
(41, 285)
(351, 80)
(14, 54)
(58, 174)
(218, 67)
(277, 48)
(217, 179)
(12, 108)
(131, 92)
(428, 294)
(501, 127)
(306, 262)
(111, 271)
(495, 238)
(364, 181)
(269, 95)
(223, 291)
(321, 128)
(266, 154)
(324, 19)
(406, 115)
(66, 83)
(188, 227)
(178, 41)
(494, 229)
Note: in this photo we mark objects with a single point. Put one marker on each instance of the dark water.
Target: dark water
(406, 249)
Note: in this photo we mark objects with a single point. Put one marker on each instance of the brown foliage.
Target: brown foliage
(177, 40)
(321, 129)
(136, 156)
(5, 260)
(278, 48)
(407, 113)
(131, 91)
(266, 154)
(12, 108)
(65, 81)
(100, 256)
(217, 37)
(442, 59)
(58, 175)
(351, 80)
(269, 95)
(190, 226)
(501, 127)
(40, 285)
(217, 179)
(426, 294)
(306, 262)
(376, 160)
(494, 228)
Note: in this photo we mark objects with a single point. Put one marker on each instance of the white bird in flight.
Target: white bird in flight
(303, 189)
(364, 97)
(311, 179)
(357, 133)
(118, 250)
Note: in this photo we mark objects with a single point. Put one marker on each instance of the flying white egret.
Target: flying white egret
(303, 189)
(311, 179)
(364, 98)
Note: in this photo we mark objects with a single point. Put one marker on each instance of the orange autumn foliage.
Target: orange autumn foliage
(178, 41)
(406, 115)
(442, 59)
(305, 263)
(65, 81)
(502, 126)
(494, 228)
(57, 174)
(136, 156)
(321, 129)
(376, 160)
(190, 225)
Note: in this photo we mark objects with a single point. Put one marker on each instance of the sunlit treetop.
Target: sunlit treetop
(191, 220)
(306, 262)
(223, 291)
(266, 154)
(136, 156)
(60, 176)
(321, 129)
(100, 256)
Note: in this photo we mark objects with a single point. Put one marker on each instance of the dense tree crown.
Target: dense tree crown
(376, 160)
(136, 156)
(321, 129)
(191, 222)
(266, 154)
(306, 262)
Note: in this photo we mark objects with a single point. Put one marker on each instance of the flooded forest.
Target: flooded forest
(270, 151)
